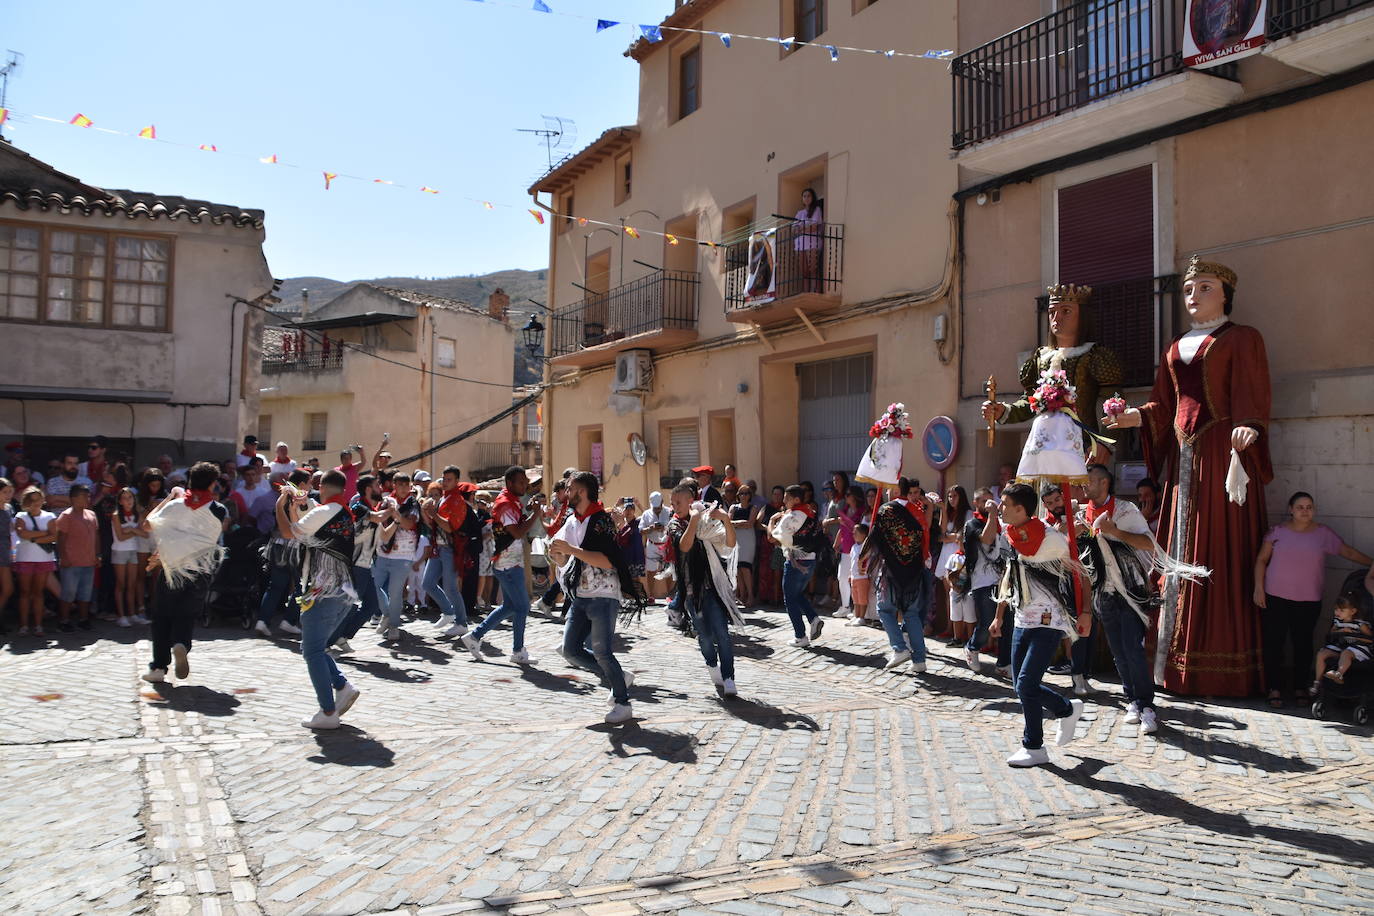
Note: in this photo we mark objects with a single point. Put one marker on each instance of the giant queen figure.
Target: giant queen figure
(1205, 431)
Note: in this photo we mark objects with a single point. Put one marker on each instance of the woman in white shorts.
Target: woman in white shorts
(127, 527)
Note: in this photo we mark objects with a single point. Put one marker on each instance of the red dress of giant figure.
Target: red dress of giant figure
(1211, 395)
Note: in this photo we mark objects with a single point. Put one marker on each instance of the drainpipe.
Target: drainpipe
(546, 399)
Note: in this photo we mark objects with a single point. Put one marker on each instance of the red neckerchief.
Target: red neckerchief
(281, 460)
(1028, 537)
(371, 507)
(806, 509)
(197, 498)
(980, 517)
(1093, 513)
(505, 500)
(336, 498)
(592, 509)
(453, 508)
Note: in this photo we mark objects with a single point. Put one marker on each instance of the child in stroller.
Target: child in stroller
(1345, 663)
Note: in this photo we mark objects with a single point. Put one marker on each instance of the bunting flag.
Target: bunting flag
(538, 216)
(834, 54)
(81, 121)
(672, 239)
(4, 116)
(381, 181)
(724, 38)
(269, 160)
(429, 190)
(541, 7)
(787, 43)
(604, 24)
(487, 205)
(582, 221)
(651, 32)
(328, 177)
(148, 133)
(209, 148)
(632, 232)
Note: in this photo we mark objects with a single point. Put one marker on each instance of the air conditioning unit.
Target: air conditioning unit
(634, 372)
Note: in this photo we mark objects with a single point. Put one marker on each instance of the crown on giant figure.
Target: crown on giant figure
(1198, 266)
(1068, 292)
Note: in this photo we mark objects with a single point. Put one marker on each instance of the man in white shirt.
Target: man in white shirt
(282, 463)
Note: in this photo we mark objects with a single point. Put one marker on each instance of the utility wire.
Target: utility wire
(491, 421)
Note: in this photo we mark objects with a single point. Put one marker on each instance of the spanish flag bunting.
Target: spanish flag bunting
(632, 232)
(81, 121)
(582, 221)
(4, 115)
(148, 133)
(209, 148)
(487, 204)
(269, 160)
(672, 239)
(428, 190)
(382, 181)
(328, 177)
(538, 217)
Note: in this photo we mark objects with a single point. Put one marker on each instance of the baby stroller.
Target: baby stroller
(237, 589)
(1358, 688)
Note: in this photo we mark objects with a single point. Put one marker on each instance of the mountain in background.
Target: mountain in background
(520, 285)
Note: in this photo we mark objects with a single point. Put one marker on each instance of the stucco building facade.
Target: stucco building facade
(131, 315)
(378, 360)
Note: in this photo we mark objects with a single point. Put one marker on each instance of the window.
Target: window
(689, 82)
(808, 19)
(591, 451)
(682, 442)
(721, 433)
(97, 279)
(316, 432)
(623, 175)
(446, 353)
(565, 211)
(264, 430)
(1119, 45)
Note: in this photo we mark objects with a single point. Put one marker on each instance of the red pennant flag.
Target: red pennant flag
(269, 160)
(428, 190)
(632, 232)
(4, 115)
(380, 181)
(148, 133)
(328, 177)
(81, 121)
(538, 217)
(209, 148)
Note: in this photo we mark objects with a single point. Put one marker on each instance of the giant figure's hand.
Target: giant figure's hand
(1128, 420)
(993, 411)
(1242, 437)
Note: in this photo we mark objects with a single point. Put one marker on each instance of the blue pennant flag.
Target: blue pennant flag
(889, 54)
(938, 54)
(786, 42)
(541, 7)
(604, 24)
(834, 54)
(724, 38)
(652, 32)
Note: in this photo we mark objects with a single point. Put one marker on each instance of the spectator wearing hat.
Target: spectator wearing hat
(705, 475)
(283, 463)
(250, 451)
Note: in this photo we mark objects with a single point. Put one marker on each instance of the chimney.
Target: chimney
(305, 304)
(498, 304)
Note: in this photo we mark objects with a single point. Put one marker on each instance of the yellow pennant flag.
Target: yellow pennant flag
(672, 239)
(632, 232)
(582, 221)
(538, 217)
(4, 115)
(429, 190)
(209, 148)
(328, 177)
(487, 204)
(148, 133)
(81, 121)
(269, 160)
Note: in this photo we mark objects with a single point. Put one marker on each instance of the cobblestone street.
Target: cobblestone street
(828, 786)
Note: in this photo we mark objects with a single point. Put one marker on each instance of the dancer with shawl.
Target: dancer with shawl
(896, 552)
(702, 547)
(601, 585)
(187, 530)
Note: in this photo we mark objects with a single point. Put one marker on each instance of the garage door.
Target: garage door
(836, 411)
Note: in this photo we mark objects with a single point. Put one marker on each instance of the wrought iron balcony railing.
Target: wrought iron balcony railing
(1288, 16)
(312, 361)
(661, 301)
(805, 258)
(1084, 52)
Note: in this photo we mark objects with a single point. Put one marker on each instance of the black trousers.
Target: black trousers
(174, 615)
(1288, 623)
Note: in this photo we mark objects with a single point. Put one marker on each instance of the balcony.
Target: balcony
(495, 456)
(1136, 318)
(1322, 36)
(534, 433)
(311, 361)
(657, 310)
(807, 269)
(1094, 71)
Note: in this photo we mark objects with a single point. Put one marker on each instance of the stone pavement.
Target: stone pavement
(828, 786)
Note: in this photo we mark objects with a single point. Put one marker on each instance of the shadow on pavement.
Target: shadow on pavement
(351, 747)
(559, 683)
(196, 698)
(844, 657)
(386, 671)
(747, 646)
(673, 747)
(766, 716)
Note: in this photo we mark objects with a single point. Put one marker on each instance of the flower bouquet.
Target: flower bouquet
(1115, 406)
(1054, 450)
(881, 463)
(895, 422)
(1053, 392)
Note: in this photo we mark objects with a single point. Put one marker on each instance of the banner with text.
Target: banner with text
(762, 283)
(1219, 31)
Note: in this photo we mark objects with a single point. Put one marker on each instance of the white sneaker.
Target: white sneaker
(1132, 714)
(289, 629)
(817, 626)
(342, 647)
(123, 622)
(896, 660)
(262, 628)
(728, 688)
(344, 698)
(800, 643)
(716, 679)
(445, 621)
(629, 682)
(975, 664)
(475, 647)
(854, 622)
(155, 675)
(918, 667)
(1070, 722)
(620, 712)
(457, 629)
(1080, 685)
(1029, 758)
(522, 657)
(842, 612)
(1149, 722)
(321, 721)
(142, 620)
(183, 664)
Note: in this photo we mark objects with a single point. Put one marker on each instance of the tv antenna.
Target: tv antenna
(13, 61)
(558, 134)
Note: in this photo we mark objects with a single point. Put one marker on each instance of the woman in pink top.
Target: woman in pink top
(1290, 573)
(810, 220)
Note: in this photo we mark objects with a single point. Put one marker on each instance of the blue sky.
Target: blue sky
(416, 91)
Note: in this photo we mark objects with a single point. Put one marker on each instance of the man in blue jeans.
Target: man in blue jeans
(798, 532)
(327, 533)
(1041, 591)
(897, 555)
(596, 577)
(509, 521)
(283, 569)
(368, 512)
(440, 582)
(982, 544)
(396, 544)
(699, 543)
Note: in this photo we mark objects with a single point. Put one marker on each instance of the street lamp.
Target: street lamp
(533, 335)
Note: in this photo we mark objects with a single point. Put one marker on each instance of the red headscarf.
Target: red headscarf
(1027, 537)
(197, 498)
